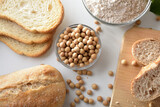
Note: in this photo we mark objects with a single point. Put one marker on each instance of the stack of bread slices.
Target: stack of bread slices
(27, 26)
(146, 85)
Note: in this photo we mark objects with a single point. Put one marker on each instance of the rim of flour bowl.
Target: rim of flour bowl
(126, 23)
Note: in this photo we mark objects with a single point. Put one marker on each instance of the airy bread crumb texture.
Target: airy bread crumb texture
(34, 15)
(146, 85)
(146, 51)
(33, 50)
(13, 30)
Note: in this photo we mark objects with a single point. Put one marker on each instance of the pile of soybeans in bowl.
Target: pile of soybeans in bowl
(78, 47)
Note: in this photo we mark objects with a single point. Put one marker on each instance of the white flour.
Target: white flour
(116, 11)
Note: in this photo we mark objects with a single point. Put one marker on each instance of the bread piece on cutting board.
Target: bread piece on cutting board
(146, 50)
(39, 86)
(33, 15)
(146, 85)
(33, 50)
(15, 31)
(125, 74)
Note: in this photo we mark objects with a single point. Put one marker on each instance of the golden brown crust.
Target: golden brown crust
(49, 95)
(34, 37)
(54, 26)
(49, 43)
(48, 37)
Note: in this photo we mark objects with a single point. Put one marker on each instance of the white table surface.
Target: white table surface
(111, 38)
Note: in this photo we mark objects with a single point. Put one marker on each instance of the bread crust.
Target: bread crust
(43, 51)
(50, 95)
(134, 46)
(11, 29)
(45, 30)
(143, 72)
(48, 37)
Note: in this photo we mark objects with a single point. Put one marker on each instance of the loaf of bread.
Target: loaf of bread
(33, 15)
(15, 31)
(146, 50)
(146, 85)
(40, 86)
(32, 50)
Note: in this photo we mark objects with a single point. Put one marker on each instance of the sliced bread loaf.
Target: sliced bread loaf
(14, 31)
(34, 15)
(146, 51)
(146, 85)
(33, 50)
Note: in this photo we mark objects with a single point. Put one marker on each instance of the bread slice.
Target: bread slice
(146, 51)
(146, 85)
(33, 15)
(39, 86)
(33, 50)
(14, 31)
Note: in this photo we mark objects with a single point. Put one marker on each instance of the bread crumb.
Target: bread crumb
(117, 102)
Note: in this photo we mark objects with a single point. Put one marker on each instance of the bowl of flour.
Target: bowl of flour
(117, 12)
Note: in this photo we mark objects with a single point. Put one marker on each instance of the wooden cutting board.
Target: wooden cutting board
(126, 73)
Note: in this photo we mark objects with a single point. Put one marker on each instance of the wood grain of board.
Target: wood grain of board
(126, 73)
